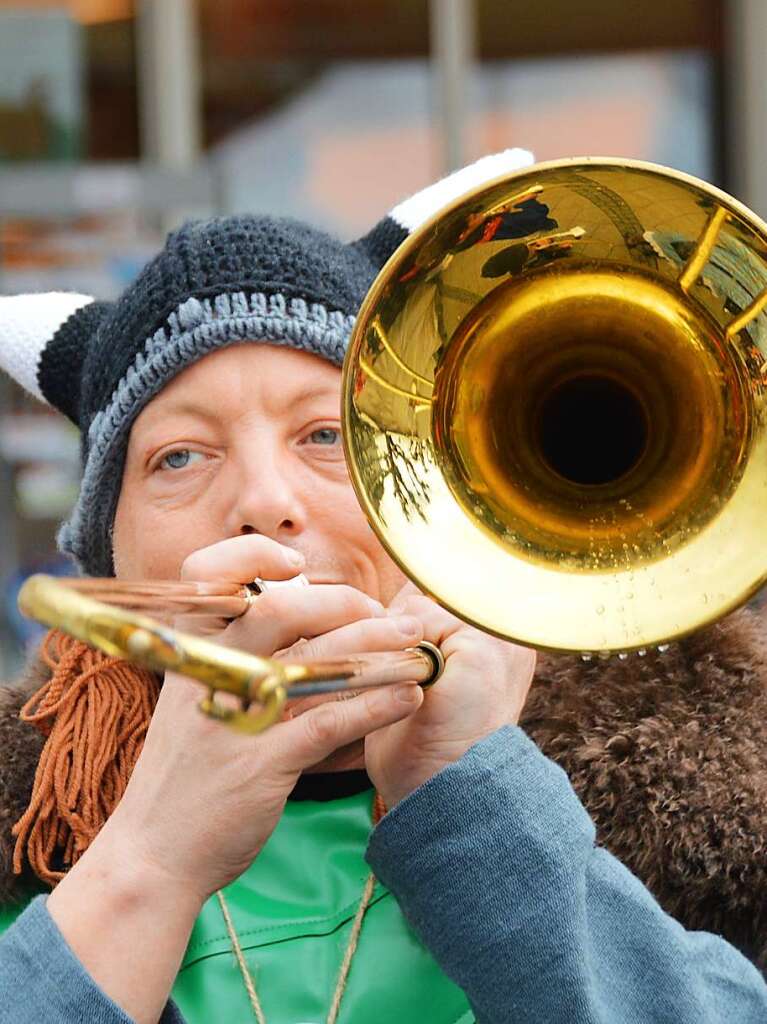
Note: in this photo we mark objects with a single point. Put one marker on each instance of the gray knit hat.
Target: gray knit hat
(216, 283)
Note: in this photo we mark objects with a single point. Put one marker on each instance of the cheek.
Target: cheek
(126, 530)
(347, 528)
(149, 542)
(343, 519)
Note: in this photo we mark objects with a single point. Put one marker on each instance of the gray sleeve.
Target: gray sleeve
(42, 980)
(493, 862)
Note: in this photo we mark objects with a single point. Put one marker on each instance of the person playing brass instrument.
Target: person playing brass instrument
(391, 856)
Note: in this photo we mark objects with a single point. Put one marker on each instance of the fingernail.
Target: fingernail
(408, 626)
(296, 558)
(376, 607)
(407, 694)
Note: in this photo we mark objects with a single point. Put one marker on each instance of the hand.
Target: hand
(203, 800)
(484, 686)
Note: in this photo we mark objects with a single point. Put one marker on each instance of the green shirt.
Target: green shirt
(293, 911)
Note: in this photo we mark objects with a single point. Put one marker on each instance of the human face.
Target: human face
(247, 440)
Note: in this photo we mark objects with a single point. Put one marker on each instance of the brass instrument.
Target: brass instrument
(268, 682)
(554, 415)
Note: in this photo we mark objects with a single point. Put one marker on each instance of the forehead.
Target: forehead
(240, 377)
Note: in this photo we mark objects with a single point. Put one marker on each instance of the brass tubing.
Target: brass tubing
(267, 682)
(166, 598)
(422, 664)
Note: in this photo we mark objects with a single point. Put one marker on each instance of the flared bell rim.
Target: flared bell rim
(461, 578)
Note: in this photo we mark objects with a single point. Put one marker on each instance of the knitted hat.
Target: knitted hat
(216, 283)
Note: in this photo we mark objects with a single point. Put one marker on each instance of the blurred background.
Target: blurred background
(120, 118)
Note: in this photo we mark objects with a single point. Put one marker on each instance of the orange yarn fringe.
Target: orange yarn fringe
(379, 808)
(94, 712)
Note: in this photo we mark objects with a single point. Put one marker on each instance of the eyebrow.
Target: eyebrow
(188, 406)
(317, 391)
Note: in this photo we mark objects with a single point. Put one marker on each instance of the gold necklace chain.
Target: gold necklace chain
(351, 946)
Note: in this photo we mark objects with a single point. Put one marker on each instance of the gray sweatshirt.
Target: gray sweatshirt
(493, 862)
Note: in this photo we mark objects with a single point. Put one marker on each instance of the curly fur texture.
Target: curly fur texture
(668, 753)
(20, 748)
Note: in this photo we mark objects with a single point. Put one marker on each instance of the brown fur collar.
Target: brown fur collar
(668, 753)
(20, 747)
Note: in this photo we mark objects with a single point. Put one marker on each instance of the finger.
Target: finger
(504, 662)
(304, 741)
(242, 559)
(368, 635)
(408, 590)
(438, 624)
(451, 634)
(278, 618)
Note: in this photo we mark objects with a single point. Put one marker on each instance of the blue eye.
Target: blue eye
(179, 459)
(326, 436)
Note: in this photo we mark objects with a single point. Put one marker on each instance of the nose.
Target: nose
(267, 498)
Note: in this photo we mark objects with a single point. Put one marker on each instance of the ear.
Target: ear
(407, 216)
(44, 339)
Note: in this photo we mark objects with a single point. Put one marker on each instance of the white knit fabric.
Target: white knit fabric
(27, 324)
(416, 210)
